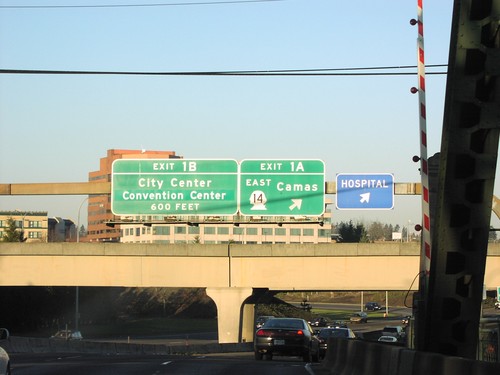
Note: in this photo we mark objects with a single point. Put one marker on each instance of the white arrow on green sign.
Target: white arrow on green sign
(282, 187)
(174, 187)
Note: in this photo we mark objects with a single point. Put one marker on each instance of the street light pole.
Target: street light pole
(77, 289)
(408, 231)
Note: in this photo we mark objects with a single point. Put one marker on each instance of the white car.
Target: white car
(497, 305)
(4, 357)
(387, 339)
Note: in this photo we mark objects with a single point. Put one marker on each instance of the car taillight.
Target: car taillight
(263, 332)
(300, 332)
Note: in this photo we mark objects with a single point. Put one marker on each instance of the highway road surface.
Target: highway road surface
(214, 364)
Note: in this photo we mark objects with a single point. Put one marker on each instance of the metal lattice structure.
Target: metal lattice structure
(466, 177)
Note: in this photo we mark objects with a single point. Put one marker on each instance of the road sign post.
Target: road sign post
(282, 187)
(174, 187)
(365, 191)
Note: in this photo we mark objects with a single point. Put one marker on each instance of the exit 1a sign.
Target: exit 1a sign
(282, 187)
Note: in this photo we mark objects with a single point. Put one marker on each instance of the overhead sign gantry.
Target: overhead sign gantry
(217, 187)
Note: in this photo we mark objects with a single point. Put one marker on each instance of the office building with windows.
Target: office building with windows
(228, 229)
(33, 225)
(99, 206)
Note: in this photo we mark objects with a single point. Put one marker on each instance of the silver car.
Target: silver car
(4, 356)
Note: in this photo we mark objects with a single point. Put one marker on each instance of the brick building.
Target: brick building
(99, 206)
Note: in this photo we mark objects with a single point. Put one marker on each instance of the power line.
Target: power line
(357, 71)
(222, 2)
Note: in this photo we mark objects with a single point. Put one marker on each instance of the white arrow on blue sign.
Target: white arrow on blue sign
(365, 191)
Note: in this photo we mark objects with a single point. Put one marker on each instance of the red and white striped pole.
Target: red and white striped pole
(425, 259)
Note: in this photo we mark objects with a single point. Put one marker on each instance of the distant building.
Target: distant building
(228, 229)
(99, 206)
(34, 225)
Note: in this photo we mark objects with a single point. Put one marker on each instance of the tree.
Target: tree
(352, 233)
(11, 234)
(376, 231)
(388, 229)
(83, 231)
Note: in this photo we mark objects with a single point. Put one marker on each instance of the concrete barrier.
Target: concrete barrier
(357, 357)
(16, 344)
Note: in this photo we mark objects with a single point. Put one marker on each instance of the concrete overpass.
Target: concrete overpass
(231, 274)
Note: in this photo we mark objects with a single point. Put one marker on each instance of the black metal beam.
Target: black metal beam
(467, 166)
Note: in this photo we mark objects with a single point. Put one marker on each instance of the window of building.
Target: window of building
(137, 232)
(34, 234)
(194, 230)
(280, 231)
(308, 232)
(34, 224)
(237, 230)
(295, 232)
(267, 231)
(209, 230)
(222, 230)
(252, 231)
(161, 231)
(180, 230)
(324, 233)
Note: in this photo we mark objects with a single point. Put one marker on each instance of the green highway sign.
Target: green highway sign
(174, 187)
(282, 187)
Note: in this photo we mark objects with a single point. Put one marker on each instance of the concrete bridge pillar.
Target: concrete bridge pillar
(235, 320)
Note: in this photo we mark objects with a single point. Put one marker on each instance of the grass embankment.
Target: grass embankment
(141, 327)
(394, 298)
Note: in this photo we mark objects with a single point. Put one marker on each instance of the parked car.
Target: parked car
(335, 237)
(259, 322)
(387, 339)
(359, 317)
(406, 320)
(497, 305)
(326, 333)
(372, 306)
(319, 322)
(286, 336)
(337, 324)
(67, 334)
(4, 356)
(394, 331)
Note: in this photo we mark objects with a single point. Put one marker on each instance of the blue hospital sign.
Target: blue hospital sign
(365, 191)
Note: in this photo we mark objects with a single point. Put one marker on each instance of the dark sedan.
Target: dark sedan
(326, 333)
(286, 336)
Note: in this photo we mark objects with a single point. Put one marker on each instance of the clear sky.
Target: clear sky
(54, 128)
